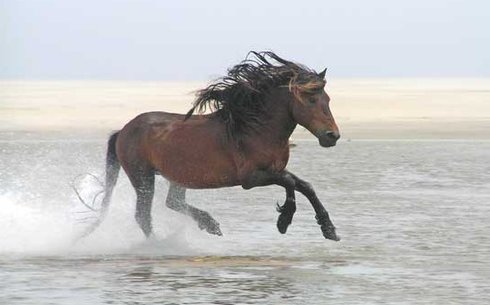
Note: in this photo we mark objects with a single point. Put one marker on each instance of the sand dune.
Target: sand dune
(364, 108)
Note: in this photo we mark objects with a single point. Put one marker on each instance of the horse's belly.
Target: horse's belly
(196, 168)
(202, 175)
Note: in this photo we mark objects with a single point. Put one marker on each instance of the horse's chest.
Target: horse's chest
(270, 159)
(279, 161)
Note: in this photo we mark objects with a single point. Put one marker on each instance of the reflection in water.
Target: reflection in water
(225, 285)
(225, 280)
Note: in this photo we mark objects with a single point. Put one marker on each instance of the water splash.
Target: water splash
(31, 228)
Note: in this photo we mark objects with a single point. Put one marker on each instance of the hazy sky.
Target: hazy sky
(195, 40)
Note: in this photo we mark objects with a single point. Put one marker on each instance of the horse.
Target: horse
(239, 136)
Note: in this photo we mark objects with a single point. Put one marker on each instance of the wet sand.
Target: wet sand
(364, 108)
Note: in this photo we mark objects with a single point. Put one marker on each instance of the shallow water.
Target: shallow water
(413, 217)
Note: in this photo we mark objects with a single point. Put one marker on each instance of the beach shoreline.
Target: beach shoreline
(363, 108)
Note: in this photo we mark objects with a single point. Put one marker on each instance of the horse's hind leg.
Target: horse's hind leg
(143, 182)
(176, 201)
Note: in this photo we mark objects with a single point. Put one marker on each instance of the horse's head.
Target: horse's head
(310, 108)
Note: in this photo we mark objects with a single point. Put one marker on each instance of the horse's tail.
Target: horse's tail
(112, 167)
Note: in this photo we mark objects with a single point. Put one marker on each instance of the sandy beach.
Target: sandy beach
(363, 108)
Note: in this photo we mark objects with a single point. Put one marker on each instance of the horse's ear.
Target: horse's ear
(322, 74)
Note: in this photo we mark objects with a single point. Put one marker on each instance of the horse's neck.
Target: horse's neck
(282, 126)
(278, 124)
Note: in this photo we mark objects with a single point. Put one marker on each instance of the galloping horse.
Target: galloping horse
(244, 141)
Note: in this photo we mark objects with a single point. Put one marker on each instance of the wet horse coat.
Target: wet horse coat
(244, 141)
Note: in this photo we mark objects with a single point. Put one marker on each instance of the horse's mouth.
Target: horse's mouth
(326, 143)
(328, 139)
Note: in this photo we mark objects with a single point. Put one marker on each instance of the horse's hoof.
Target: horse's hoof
(327, 227)
(329, 233)
(211, 226)
(286, 215)
(215, 231)
(283, 222)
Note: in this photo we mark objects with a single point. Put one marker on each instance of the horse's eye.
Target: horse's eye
(312, 100)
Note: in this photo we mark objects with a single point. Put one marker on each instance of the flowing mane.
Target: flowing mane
(238, 98)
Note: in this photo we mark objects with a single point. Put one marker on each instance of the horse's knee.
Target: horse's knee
(289, 207)
(289, 181)
(307, 189)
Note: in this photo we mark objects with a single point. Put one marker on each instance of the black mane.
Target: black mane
(238, 98)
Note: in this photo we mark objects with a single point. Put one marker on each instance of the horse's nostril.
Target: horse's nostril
(333, 135)
(328, 138)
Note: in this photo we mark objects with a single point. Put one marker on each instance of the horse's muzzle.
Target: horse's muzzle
(328, 138)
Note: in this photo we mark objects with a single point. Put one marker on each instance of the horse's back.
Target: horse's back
(152, 118)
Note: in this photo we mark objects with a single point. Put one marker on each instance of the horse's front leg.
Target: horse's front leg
(290, 181)
(264, 178)
(322, 217)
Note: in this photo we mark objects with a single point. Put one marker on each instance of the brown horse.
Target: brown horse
(243, 141)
